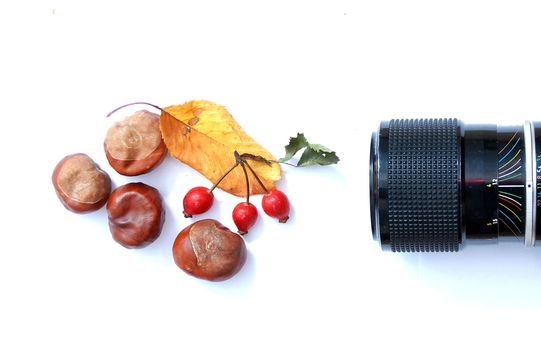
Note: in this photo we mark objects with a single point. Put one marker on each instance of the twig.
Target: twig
(255, 175)
(223, 176)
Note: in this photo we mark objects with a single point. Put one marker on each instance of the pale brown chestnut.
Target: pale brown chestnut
(136, 214)
(134, 146)
(80, 184)
(208, 250)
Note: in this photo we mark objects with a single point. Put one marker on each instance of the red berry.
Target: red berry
(197, 201)
(244, 216)
(276, 205)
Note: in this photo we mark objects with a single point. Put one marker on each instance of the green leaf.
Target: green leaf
(318, 148)
(314, 154)
(310, 156)
(295, 144)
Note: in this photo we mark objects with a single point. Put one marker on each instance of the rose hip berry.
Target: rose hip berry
(276, 205)
(197, 201)
(244, 216)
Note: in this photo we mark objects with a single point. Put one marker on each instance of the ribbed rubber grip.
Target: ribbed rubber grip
(424, 187)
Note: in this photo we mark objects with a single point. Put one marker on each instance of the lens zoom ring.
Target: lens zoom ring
(423, 182)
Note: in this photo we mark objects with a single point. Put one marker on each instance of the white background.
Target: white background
(330, 69)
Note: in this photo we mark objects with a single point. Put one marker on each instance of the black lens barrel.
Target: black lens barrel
(435, 183)
(480, 199)
(418, 196)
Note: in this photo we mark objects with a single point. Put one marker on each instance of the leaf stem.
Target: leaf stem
(285, 163)
(245, 156)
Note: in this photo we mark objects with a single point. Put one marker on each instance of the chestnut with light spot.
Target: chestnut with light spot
(134, 146)
(208, 250)
(80, 184)
(136, 214)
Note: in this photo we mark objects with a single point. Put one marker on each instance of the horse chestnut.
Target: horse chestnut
(134, 146)
(136, 214)
(206, 249)
(80, 184)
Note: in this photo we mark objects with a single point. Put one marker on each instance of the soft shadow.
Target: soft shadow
(505, 274)
(238, 285)
(326, 173)
(163, 177)
(257, 230)
(161, 248)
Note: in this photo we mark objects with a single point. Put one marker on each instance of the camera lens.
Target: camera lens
(437, 183)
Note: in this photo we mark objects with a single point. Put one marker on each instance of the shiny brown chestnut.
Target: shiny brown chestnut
(134, 146)
(136, 214)
(208, 250)
(80, 184)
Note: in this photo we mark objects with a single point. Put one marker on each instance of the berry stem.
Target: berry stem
(255, 175)
(247, 182)
(241, 161)
(223, 176)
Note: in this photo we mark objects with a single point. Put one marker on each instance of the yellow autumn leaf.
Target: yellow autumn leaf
(204, 135)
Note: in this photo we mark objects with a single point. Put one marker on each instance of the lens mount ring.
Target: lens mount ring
(374, 186)
(530, 188)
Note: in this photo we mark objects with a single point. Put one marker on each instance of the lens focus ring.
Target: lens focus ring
(423, 185)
